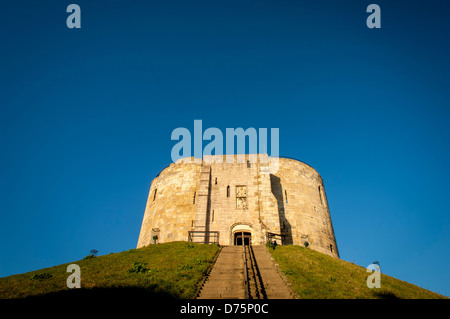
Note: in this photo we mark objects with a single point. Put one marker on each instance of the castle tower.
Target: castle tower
(251, 200)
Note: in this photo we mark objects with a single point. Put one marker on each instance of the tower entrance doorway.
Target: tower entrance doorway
(242, 238)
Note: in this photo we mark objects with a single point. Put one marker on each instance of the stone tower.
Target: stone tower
(242, 201)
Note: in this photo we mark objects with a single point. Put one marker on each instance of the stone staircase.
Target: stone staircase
(274, 282)
(226, 279)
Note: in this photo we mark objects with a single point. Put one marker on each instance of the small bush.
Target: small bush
(290, 272)
(42, 276)
(199, 261)
(89, 257)
(139, 267)
(187, 267)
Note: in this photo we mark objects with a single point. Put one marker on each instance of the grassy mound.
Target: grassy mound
(176, 270)
(170, 270)
(317, 276)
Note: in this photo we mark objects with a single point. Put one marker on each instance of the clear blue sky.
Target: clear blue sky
(86, 117)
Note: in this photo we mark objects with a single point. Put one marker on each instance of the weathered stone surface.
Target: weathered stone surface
(216, 195)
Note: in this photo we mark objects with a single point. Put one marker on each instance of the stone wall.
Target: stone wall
(303, 206)
(241, 196)
(170, 209)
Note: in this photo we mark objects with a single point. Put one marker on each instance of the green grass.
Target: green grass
(176, 270)
(317, 276)
(170, 270)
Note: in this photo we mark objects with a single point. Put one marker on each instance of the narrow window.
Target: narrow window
(248, 164)
(212, 217)
(154, 195)
(285, 195)
(192, 223)
(331, 248)
(228, 191)
(215, 181)
(193, 202)
(320, 196)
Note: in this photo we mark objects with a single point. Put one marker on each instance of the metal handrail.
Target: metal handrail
(213, 236)
(245, 273)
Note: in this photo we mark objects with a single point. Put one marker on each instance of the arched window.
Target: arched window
(331, 248)
(228, 191)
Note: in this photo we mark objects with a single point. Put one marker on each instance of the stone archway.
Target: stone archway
(241, 234)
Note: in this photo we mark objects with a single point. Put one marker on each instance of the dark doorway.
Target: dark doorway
(242, 238)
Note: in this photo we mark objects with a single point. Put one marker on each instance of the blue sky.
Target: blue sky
(86, 117)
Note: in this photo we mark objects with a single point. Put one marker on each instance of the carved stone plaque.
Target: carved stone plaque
(241, 191)
(241, 197)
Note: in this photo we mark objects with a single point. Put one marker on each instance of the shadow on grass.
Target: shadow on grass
(97, 294)
(386, 295)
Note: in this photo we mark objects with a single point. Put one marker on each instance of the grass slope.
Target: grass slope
(175, 270)
(171, 270)
(317, 276)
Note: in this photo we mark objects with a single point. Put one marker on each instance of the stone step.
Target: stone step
(226, 279)
(274, 284)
